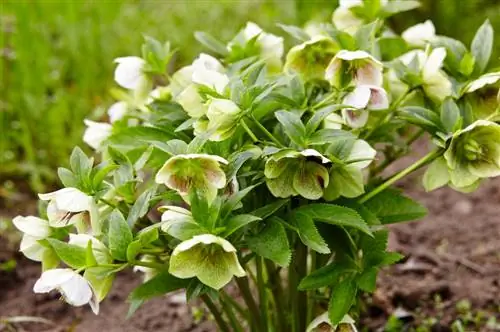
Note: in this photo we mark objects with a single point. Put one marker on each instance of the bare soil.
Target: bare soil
(451, 255)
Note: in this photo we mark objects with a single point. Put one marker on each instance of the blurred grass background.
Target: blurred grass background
(56, 59)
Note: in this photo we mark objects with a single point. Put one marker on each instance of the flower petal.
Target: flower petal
(96, 133)
(359, 97)
(310, 180)
(361, 155)
(33, 226)
(355, 118)
(128, 73)
(117, 111)
(31, 248)
(434, 62)
(69, 199)
(420, 34)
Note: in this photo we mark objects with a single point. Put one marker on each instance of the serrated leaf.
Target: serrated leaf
(119, 235)
(71, 255)
(269, 209)
(159, 285)
(343, 296)
(390, 206)
(309, 234)
(271, 243)
(334, 215)
(482, 46)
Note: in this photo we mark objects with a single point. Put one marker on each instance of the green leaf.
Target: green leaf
(365, 35)
(334, 215)
(292, 125)
(343, 295)
(295, 32)
(271, 243)
(159, 285)
(211, 42)
(345, 181)
(455, 51)
(482, 46)
(236, 222)
(133, 250)
(309, 234)
(67, 177)
(391, 258)
(467, 64)
(373, 248)
(141, 206)
(81, 165)
(367, 281)
(420, 116)
(148, 235)
(100, 284)
(318, 117)
(268, 210)
(140, 136)
(450, 115)
(327, 275)
(101, 172)
(71, 255)
(390, 206)
(90, 259)
(119, 235)
(329, 136)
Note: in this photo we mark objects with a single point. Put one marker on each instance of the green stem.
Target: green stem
(247, 296)
(239, 308)
(420, 163)
(310, 300)
(279, 297)
(215, 312)
(233, 321)
(261, 286)
(265, 131)
(249, 131)
(105, 201)
(301, 268)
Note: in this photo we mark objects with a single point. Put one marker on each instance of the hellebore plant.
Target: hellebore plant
(263, 175)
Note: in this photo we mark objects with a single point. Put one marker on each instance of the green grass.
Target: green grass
(56, 66)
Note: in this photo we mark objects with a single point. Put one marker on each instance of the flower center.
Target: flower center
(473, 150)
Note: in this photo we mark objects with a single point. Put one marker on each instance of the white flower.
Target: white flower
(271, 46)
(486, 79)
(208, 71)
(361, 155)
(314, 153)
(96, 133)
(420, 34)
(34, 229)
(364, 69)
(74, 288)
(129, 72)
(333, 121)
(66, 205)
(362, 99)
(117, 111)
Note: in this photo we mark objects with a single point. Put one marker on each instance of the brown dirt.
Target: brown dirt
(452, 255)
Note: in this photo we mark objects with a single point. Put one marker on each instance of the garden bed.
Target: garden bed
(452, 257)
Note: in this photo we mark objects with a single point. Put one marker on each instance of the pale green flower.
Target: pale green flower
(290, 173)
(474, 154)
(354, 67)
(223, 118)
(207, 257)
(311, 58)
(185, 172)
(344, 19)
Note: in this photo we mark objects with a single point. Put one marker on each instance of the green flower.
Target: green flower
(474, 154)
(290, 173)
(193, 171)
(210, 258)
(223, 118)
(311, 58)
